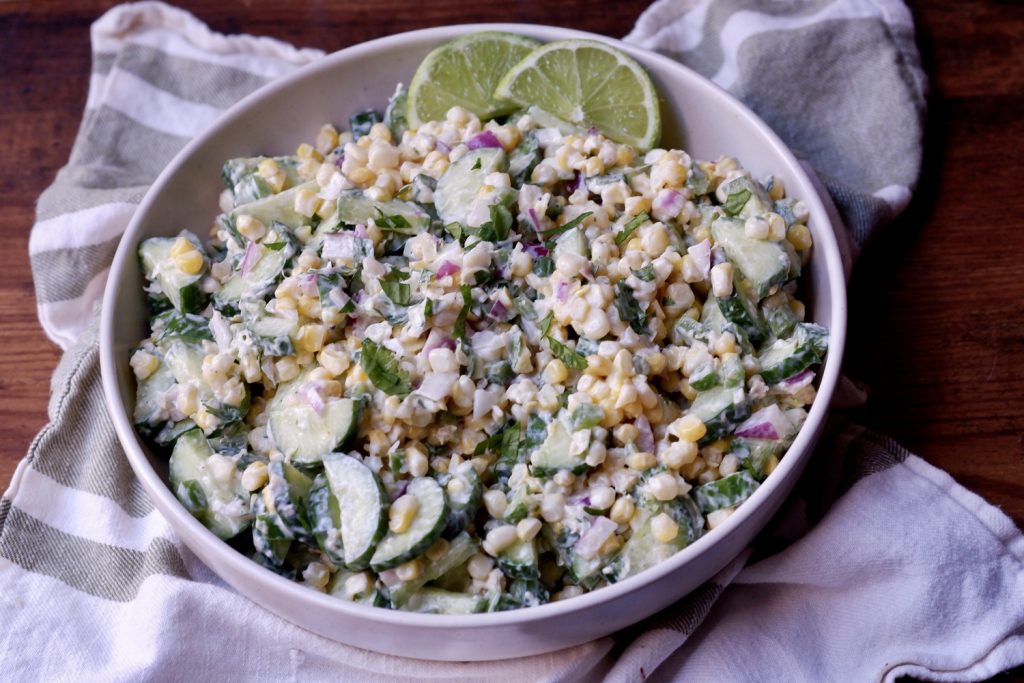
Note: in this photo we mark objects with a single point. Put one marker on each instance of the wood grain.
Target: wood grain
(937, 302)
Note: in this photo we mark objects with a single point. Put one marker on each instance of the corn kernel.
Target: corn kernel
(799, 236)
(499, 539)
(144, 364)
(664, 528)
(688, 428)
(310, 337)
(679, 454)
(556, 372)
(663, 486)
(379, 131)
(306, 151)
(357, 585)
(269, 170)
(641, 460)
(190, 263)
(251, 227)
(527, 529)
(181, 246)
(724, 344)
(306, 202)
(623, 510)
(287, 369)
(721, 280)
(326, 139)
(362, 176)
(496, 503)
(402, 513)
(438, 550)
(410, 571)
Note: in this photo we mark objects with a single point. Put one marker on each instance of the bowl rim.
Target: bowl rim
(193, 532)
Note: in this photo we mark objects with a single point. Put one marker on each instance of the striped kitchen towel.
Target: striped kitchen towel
(907, 573)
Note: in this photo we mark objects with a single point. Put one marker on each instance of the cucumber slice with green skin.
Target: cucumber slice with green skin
(355, 208)
(732, 373)
(572, 242)
(288, 488)
(273, 333)
(246, 185)
(262, 277)
(738, 310)
(181, 288)
(460, 185)
(523, 159)
(743, 197)
(223, 506)
(278, 208)
(185, 361)
(779, 316)
(149, 415)
(555, 454)
(394, 114)
(721, 410)
(460, 549)
(704, 378)
(523, 593)
(426, 527)
(302, 433)
(269, 539)
(337, 588)
(463, 498)
(324, 515)
(642, 550)
(727, 492)
(519, 561)
(437, 601)
(756, 453)
(364, 507)
(786, 357)
(689, 331)
(763, 265)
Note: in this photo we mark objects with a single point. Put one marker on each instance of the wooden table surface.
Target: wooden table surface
(937, 302)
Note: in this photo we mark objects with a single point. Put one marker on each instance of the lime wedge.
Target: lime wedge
(588, 84)
(465, 72)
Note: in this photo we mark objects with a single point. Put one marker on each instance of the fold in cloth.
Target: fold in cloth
(908, 573)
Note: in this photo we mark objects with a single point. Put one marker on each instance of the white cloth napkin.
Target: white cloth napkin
(908, 573)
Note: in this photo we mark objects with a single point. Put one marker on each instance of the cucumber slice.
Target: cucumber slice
(337, 588)
(261, 278)
(395, 113)
(426, 527)
(460, 186)
(173, 324)
(523, 593)
(643, 550)
(247, 186)
(738, 310)
(764, 265)
(272, 333)
(721, 409)
(355, 208)
(324, 517)
(269, 539)
(437, 601)
(149, 415)
(519, 561)
(705, 377)
(779, 316)
(523, 159)
(743, 197)
(277, 208)
(727, 492)
(756, 453)
(288, 488)
(302, 433)
(364, 507)
(463, 498)
(181, 288)
(786, 357)
(185, 361)
(689, 331)
(555, 454)
(460, 549)
(221, 505)
(572, 242)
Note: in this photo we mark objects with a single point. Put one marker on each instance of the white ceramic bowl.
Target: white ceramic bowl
(697, 116)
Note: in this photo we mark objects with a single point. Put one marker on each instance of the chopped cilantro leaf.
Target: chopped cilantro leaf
(629, 228)
(383, 369)
(735, 202)
(629, 308)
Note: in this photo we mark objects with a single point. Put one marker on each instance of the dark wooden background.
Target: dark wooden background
(937, 301)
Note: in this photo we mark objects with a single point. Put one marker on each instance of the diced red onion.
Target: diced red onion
(339, 245)
(593, 130)
(535, 250)
(562, 291)
(447, 268)
(701, 254)
(645, 439)
(668, 203)
(768, 423)
(311, 393)
(594, 537)
(718, 256)
(535, 221)
(436, 340)
(442, 146)
(498, 311)
(399, 489)
(251, 256)
(361, 231)
(579, 499)
(340, 160)
(574, 184)
(338, 297)
(390, 577)
(307, 285)
(793, 384)
(484, 139)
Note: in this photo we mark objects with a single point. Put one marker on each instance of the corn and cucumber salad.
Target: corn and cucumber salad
(476, 365)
